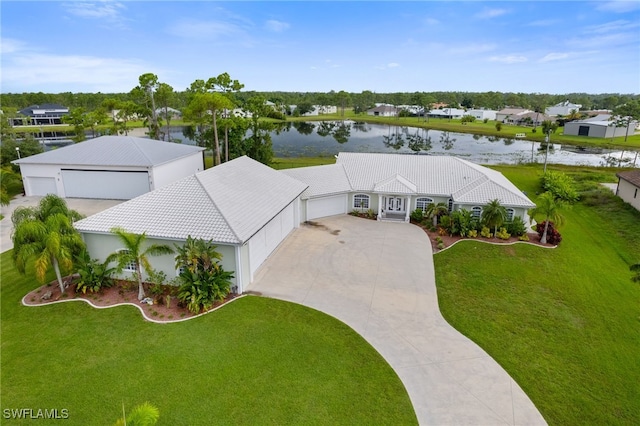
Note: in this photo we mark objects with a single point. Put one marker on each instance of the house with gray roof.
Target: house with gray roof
(40, 115)
(246, 208)
(600, 126)
(109, 167)
(629, 187)
(393, 185)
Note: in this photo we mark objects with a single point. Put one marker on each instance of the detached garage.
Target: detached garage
(109, 167)
(246, 208)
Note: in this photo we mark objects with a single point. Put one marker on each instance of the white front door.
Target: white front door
(395, 204)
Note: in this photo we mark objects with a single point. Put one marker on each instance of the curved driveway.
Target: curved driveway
(378, 278)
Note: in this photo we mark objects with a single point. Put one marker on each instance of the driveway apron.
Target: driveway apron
(378, 278)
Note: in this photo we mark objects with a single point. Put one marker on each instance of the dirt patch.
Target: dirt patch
(122, 292)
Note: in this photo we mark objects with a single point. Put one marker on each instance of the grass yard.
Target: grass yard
(255, 361)
(563, 322)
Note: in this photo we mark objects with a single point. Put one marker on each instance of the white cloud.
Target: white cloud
(508, 59)
(86, 73)
(491, 13)
(619, 25)
(102, 10)
(469, 48)
(554, 57)
(191, 28)
(9, 45)
(619, 6)
(276, 26)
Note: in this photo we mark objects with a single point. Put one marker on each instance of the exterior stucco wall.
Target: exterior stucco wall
(172, 171)
(629, 193)
(42, 170)
(102, 245)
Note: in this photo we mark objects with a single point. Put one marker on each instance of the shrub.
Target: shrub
(517, 227)
(560, 185)
(440, 246)
(93, 274)
(354, 212)
(445, 225)
(553, 236)
(473, 233)
(417, 215)
(503, 234)
(498, 126)
(485, 121)
(523, 237)
(371, 214)
(486, 232)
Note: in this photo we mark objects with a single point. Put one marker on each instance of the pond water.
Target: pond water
(312, 139)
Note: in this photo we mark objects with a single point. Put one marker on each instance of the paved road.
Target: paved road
(378, 277)
(83, 206)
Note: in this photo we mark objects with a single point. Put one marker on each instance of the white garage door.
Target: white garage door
(104, 184)
(265, 241)
(41, 186)
(326, 206)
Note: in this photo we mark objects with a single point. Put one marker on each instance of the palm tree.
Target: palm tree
(548, 207)
(133, 253)
(635, 268)
(10, 183)
(494, 215)
(144, 414)
(45, 236)
(435, 210)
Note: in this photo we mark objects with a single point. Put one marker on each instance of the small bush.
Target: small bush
(553, 236)
(485, 121)
(517, 227)
(417, 215)
(486, 232)
(371, 214)
(560, 185)
(498, 126)
(440, 246)
(473, 234)
(524, 237)
(503, 234)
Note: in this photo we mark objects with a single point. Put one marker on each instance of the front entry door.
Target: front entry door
(395, 204)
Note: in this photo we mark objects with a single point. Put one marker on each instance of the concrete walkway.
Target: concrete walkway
(83, 206)
(378, 278)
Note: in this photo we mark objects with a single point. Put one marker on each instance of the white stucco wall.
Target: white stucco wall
(629, 193)
(172, 171)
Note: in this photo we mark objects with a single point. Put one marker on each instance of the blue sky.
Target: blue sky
(519, 46)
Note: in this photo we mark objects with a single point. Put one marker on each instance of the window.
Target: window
(635, 194)
(361, 201)
(510, 214)
(450, 205)
(131, 266)
(422, 203)
(476, 212)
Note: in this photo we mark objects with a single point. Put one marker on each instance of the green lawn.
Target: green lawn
(563, 322)
(255, 361)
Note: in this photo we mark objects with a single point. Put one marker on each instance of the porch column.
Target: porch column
(408, 209)
(379, 207)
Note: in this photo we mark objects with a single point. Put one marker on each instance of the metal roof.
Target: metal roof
(322, 180)
(227, 204)
(126, 151)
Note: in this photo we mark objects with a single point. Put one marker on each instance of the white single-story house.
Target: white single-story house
(109, 167)
(383, 111)
(599, 126)
(245, 207)
(482, 114)
(505, 113)
(629, 187)
(454, 113)
(562, 108)
(393, 185)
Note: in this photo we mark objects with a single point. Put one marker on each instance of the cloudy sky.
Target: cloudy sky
(519, 46)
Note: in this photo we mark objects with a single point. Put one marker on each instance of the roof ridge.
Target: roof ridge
(144, 154)
(233, 231)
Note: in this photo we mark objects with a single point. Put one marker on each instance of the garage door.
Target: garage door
(41, 186)
(104, 184)
(265, 241)
(326, 206)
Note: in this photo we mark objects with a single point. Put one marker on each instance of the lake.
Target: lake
(313, 139)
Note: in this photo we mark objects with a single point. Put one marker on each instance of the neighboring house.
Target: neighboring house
(393, 185)
(629, 187)
(109, 167)
(383, 111)
(447, 113)
(534, 119)
(327, 109)
(506, 113)
(173, 113)
(40, 115)
(482, 114)
(599, 126)
(563, 108)
(246, 208)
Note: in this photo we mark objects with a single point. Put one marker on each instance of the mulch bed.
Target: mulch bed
(121, 292)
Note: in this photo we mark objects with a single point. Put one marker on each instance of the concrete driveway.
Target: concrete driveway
(378, 278)
(84, 206)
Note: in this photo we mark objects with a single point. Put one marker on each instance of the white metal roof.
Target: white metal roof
(227, 204)
(322, 180)
(126, 151)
